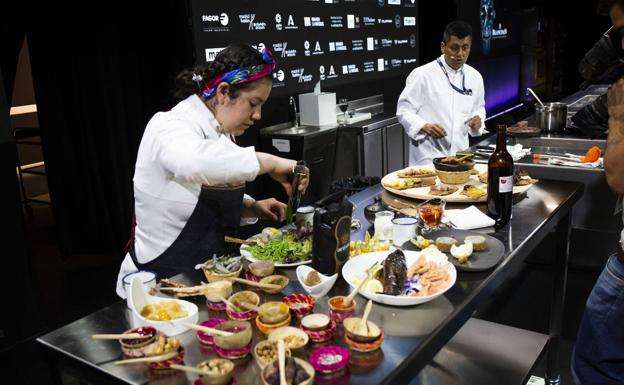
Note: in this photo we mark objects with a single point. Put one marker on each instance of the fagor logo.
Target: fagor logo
(222, 18)
(211, 53)
(279, 75)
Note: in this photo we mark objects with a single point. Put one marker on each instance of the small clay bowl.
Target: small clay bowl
(233, 354)
(351, 324)
(214, 290)
(287, 333)
(273, 312)
(306, 366)
(364, 347)
(315, 321)
(262, 269)
(240, 339)
(265, 352)
(321, 335)
(245, 296)
(337, 310)
(136, 347)
(213, 377)
(214, 277)
(206, 339)
(299, 304)
(280, 280)
(268, 328)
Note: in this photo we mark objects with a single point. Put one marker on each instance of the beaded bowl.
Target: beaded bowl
(136, 348)
(329, 359)
(206, 339)
(364, 347)
(323, 334)
(268, 328)
(165, 364)
(300, 304)
(233, 354)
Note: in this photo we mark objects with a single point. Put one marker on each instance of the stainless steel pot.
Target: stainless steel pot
(551, 117)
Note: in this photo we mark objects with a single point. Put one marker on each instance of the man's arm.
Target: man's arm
(614, 154)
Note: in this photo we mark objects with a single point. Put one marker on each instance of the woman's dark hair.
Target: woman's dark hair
(234, 56)
(458, 28)
(604, 6)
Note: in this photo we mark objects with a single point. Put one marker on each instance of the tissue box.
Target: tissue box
(317, 109)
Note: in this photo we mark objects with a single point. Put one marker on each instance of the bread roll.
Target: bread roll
(478, 242)
(445, 243)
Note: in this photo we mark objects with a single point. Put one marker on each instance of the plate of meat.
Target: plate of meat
(400, 278)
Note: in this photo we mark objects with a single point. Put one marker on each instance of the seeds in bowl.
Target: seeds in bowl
(294, 341)
(215, 367)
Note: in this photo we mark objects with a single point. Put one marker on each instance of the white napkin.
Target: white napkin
(516, 151)
(572, 163)
(468, 218)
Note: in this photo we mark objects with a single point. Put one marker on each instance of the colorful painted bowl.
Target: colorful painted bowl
(315, 321)
(268, 328)
(216, 306)
(321, 335)
(136, 348)
(165, 364)
(248, 275)
(300, 304)
(242, 335)
(233, 354)
(215, 377)
(206, 339)
(245, 296)
(337, 311)
(329, 359)
(364, 347)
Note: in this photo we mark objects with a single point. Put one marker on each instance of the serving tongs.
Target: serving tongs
(252, 242)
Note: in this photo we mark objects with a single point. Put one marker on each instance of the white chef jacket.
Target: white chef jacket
(180, 151)
(429, 98)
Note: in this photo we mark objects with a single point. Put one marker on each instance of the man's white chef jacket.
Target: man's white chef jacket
(429, 98)
(180, 151)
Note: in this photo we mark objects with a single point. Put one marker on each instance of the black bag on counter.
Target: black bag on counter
(332, 233)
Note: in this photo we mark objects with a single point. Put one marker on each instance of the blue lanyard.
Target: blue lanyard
(462, 90)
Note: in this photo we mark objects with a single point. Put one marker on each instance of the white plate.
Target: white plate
(356, 266)
(423, 192)
(247, 254)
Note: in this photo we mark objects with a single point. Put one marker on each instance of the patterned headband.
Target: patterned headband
(242, 75)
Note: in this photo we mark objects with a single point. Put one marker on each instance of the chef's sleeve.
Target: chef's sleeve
(479, 107)
(409, 104)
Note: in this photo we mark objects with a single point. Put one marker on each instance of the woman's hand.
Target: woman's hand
(281, 169)
(271, 209)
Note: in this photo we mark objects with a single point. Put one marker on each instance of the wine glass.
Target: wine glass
(430, 213)
(343, 104)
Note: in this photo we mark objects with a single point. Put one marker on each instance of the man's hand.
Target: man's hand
(434, 130)
(613, 165)
(615, 103)
(474, 122)
(271, 209)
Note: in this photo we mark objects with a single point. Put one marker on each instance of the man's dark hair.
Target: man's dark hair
(457, 28)
(604, 6)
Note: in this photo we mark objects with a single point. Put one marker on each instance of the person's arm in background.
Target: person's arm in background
(477, 122)
(614, 154)
(410, 102)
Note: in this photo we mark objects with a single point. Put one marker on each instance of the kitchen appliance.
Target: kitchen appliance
(551, 117)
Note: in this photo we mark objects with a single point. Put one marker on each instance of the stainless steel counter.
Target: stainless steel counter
(414, 335)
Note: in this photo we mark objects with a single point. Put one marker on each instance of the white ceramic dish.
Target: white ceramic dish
(357, 266)
(139, 299)
(148, 278)
(319, 290)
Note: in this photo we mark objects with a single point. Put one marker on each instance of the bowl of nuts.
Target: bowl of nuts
(218, 371)
(265, 352)
(293, 337)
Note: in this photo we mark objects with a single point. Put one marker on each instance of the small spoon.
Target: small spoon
(362, 328)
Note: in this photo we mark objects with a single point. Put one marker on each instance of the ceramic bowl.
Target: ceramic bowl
(219, 289)
(316, 291)
(304, 365)
(465, 165)
(273, 312)
(165, 364)
(287, 333)
(265, 352)
(206, 339)
(245, 296)
(321, 335)
(136, 348)
(268, 328)
(214, 277)
(280, 280)
(351, 325)
(216, 378)
(329, 359)
(364, 347)
(338, 312)
(299, 304)
(148, 279)
(262, 269)
(240, 339)
(315, 321)
(233, 354)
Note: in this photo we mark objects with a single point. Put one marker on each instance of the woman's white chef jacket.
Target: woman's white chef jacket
(429, 98)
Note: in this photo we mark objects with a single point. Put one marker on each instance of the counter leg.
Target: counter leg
(562, 251)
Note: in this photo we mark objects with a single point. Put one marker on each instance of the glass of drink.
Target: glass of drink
(383, 225)
(430, 213)
(343, 104)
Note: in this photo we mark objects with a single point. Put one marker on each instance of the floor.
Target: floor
(70, 288)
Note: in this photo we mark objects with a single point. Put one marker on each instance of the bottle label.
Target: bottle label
(505, 184)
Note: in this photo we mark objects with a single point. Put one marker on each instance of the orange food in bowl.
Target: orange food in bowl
(592, 155)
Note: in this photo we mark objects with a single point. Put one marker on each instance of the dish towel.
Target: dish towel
(572, 163)
(516, 151)
(468, 218)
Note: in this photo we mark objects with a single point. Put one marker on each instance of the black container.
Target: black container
(332, 233)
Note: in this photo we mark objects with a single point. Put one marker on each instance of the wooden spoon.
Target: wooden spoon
(126, 336)
(230, 304)
(269, 286)
(257, 242)
(281, 355)
(349, 298)
(207, 330)
(190, 369)
(252, 307)
(362, 328)
(161, 357)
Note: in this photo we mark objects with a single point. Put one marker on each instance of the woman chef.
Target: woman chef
(190, 175)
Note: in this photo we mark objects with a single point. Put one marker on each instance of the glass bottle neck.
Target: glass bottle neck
(501, 138)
